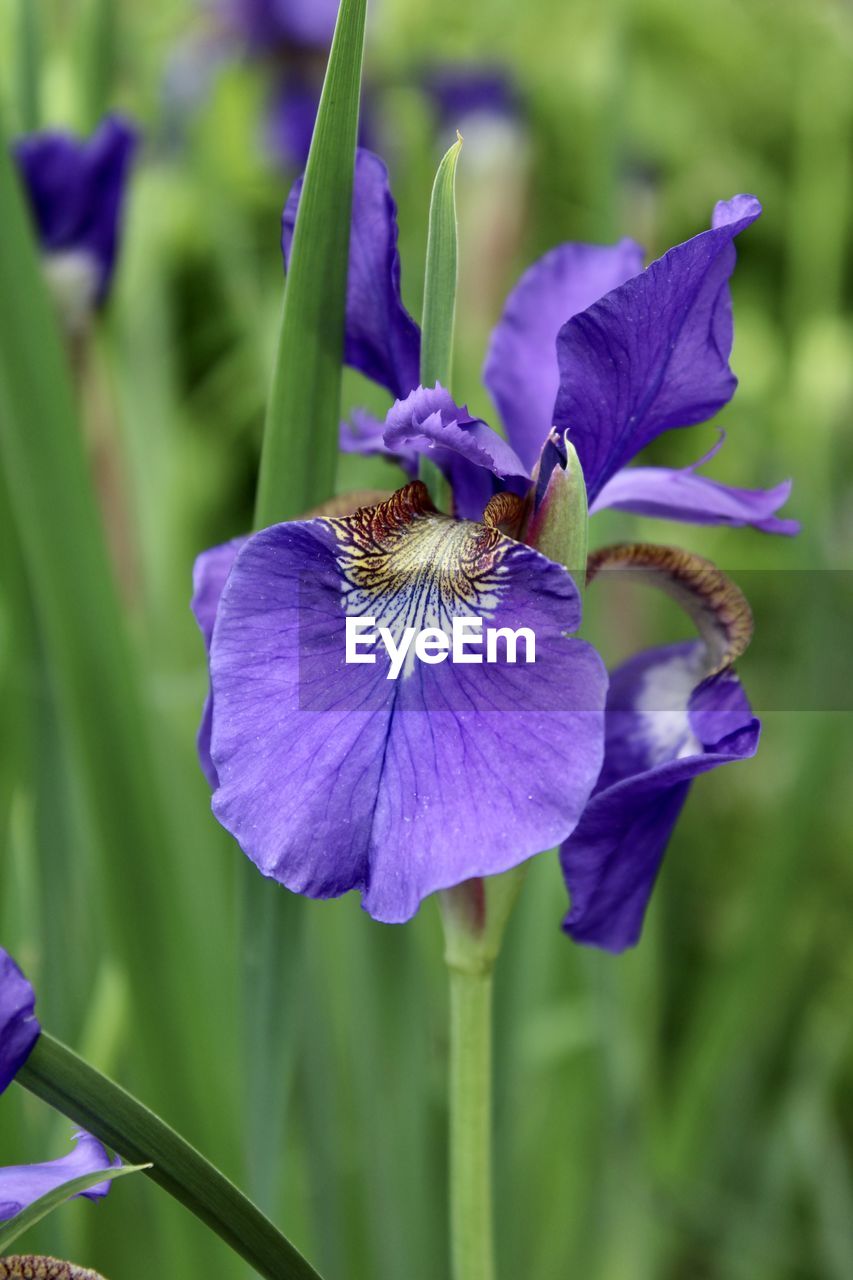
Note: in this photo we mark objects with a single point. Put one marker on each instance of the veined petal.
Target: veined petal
(21, 1185)
(210, 573)
(666, 724)
(381, 340)
(695, 499)
(466, 450)
(521, 370)
(19, 1028)
(654, 353)
(335, 777)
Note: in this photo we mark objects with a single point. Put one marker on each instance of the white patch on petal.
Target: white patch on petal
(73, 279)
(662, 707)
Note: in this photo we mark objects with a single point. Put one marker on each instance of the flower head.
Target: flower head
(76, 193)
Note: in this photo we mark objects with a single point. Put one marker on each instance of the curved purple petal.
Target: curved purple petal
(654, 353)
(466, 450)
(76, 192)
(684, 495)
(210, 573)
(665, 725)
(382, 340)
(21, 1185)
(365, 435)
(521, 369)
(19, 1028)
(336, 777)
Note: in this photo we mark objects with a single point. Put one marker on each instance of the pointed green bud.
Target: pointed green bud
(558, 524)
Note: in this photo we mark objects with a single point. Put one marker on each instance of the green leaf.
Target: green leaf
(300, 446)
(28, 64)
(15, 1227)
(439, 313)
(87, 649)
(97, 35)
(57, 1076)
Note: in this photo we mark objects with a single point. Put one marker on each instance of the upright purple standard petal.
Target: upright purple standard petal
(695, 499)
(21, 1185)
(210, 573)
(76, 192)
(654, 353)
(665, 725)
(19, 1028)
(334, 776)
(466, 450)
(382, 340)
(521, 365)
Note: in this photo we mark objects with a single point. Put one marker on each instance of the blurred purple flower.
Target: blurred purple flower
(21, 1185)
(267, 26)
(76, 194)
(460, 91)
(574, 349)
(19, 1028)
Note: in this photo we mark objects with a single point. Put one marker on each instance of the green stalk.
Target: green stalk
(471, 1227)
(57, 1076)
(474, 915)
(439, 313)
(28, 66)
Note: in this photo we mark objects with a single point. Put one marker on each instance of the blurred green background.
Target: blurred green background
(685, 1110)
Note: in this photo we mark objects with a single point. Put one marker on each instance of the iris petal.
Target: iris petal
(332, 777)
(521, 370)
(22, 1185)
(652, 354)
(19, 1028)
(381, 338)
(665, 726)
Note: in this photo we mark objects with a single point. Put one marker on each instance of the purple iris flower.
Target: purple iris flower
(333, 778)
(575, 349)
(76, 193)
(19, 1028)
(460, 91)
(21, 1185)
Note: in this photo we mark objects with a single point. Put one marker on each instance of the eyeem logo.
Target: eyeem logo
(432, 645)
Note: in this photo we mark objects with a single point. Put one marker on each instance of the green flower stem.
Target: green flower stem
(471, 1229)
(57, 1076)
(475, 916)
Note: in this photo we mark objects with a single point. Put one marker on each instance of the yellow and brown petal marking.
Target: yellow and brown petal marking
(410, 566)
(32, 1267)
(719, 609)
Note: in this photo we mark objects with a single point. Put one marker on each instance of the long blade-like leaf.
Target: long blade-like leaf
(439, 313)
(301, 434)
(57, 1076)
(87, 647)
(15, 1227)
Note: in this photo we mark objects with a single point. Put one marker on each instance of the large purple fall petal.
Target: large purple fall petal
(652, 354)
(76, 192)
(210, 573)
(684, 495)
(466, 450)
(382, 340)
(665, 725)
(521, 370)
(19, 1028)
(334, 777)
(21, 1185)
